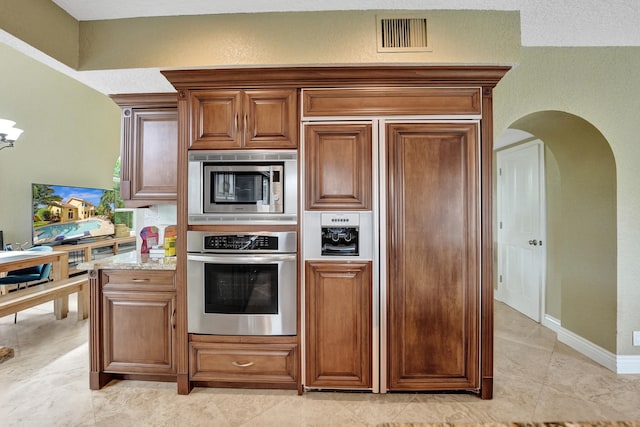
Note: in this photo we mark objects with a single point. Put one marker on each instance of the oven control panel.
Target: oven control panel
(247, 242)
(263, 242)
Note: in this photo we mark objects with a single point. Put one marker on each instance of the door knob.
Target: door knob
(533, 242)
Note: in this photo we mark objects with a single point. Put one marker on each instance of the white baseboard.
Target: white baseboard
(586, 347)
(613, 362)
(551, 323)
(628, 365)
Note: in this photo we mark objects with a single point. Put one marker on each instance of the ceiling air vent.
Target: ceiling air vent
(397, 34)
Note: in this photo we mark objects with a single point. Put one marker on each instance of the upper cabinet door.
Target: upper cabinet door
(155, 151)
(149, 148)
(338, 166)
(216, 119)
(270, 118)
(235, 119)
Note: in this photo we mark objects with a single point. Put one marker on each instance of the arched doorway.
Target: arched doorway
(581, 225)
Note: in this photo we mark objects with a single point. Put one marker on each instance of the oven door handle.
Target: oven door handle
(241, 258)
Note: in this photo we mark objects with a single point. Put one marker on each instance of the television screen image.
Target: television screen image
(63, 214)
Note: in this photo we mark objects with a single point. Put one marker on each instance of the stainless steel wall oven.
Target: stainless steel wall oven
(241, 284)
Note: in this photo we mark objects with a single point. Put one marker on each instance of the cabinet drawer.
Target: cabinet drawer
(243, 363)
(138, 280)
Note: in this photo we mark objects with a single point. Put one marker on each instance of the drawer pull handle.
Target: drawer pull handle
(140, 280)
(242, 365)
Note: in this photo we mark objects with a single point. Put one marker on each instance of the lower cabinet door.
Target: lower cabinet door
(244, 363)
(138, 332)
(338, 324)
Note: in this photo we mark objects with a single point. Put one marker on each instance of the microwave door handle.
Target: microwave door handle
(242, 258)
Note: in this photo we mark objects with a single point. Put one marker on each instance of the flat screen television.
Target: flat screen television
(65, 214)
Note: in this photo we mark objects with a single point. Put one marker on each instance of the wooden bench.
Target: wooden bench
(57, 290)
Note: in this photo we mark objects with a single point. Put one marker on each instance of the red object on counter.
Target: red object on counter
(149, 237)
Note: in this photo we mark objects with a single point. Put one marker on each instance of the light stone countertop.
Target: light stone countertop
(133, 260)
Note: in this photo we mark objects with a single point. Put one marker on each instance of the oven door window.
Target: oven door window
(240, 187)
(241, 288)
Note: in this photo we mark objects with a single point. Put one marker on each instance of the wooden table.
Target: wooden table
(14, 260)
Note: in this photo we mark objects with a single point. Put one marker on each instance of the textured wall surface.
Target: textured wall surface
(544, 23)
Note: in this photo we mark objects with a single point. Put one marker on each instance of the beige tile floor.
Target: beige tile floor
(536, 379)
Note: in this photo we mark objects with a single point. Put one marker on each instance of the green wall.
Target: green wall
(71, 137)
(601, 86)
(43, 25)
(290, 38)
(553, 196)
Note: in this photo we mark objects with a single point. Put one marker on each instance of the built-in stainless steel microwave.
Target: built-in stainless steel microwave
(243, 186)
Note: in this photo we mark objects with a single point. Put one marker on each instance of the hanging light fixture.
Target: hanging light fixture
(8, 134)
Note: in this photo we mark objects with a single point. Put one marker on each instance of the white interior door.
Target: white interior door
(520, 228)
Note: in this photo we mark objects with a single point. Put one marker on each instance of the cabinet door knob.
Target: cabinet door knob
(533, 242)
(242, 365)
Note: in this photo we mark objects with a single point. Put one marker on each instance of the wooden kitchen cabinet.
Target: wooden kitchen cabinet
(244, 361)
(433, 256)
(244, 119)
(135, 331)
(389, 101)
(338, 166)
(138, 332)
(149, 148)
(434, 208)
(338, 324)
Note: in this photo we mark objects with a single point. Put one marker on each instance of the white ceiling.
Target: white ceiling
(543, 23)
